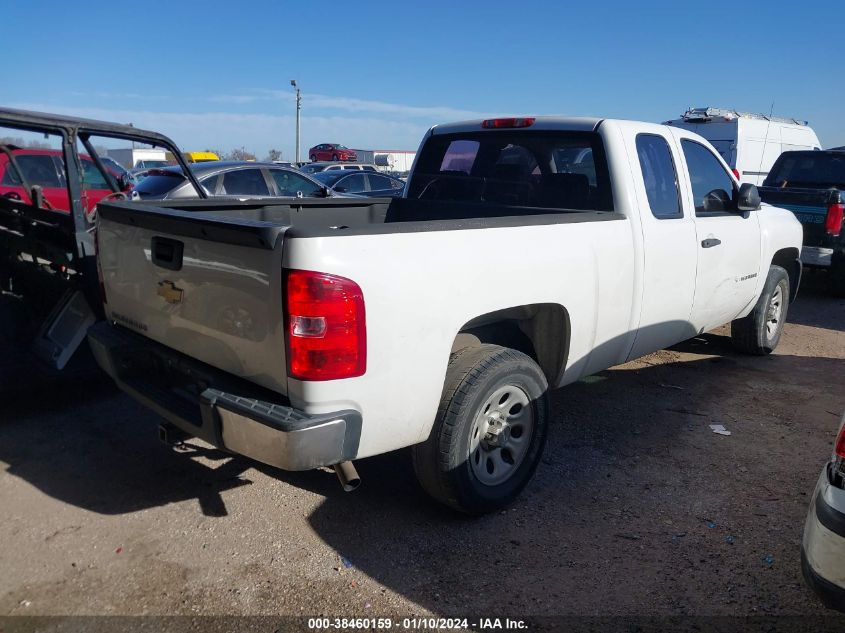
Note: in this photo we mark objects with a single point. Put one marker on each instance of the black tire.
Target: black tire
(334, 157)
(837, 277)
(313, 158)
(760, 331)
(442, 462)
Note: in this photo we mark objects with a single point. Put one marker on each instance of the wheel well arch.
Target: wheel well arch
(790, 260)
(539, 330)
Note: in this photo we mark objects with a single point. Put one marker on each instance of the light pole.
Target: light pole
(298, 108)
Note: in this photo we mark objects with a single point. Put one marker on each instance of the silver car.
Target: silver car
(823, 547)
(242, 179)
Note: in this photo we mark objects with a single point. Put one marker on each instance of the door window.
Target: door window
(354, 183)
(659, 176)
(712, 187)
(91, 176)
(245, 182)
(290, 184)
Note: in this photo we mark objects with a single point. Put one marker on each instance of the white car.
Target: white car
(524, 254)
(823, 547)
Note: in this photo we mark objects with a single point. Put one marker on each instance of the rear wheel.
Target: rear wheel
(334, 157)
(489, 433)
(760, 331)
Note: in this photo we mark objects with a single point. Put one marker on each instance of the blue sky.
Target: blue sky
(377, 74)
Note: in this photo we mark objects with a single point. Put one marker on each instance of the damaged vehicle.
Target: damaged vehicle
(53, 176)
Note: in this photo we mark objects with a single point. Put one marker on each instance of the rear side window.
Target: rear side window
(378, 182)
(522, 168)
(210, 183)
(159, 184)
(37, 169)
(659, 176)
(712, 187)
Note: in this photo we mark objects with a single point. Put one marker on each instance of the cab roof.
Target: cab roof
(569, 124)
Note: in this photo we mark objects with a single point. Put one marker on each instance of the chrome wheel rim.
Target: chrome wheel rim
(774, 313)
(500, 436)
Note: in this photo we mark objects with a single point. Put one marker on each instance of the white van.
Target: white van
(749, 143)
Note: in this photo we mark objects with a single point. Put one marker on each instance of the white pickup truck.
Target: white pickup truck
(526, 253)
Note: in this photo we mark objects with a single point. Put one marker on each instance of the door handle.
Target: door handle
(710, 242)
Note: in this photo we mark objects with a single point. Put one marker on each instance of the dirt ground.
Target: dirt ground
(638, 508)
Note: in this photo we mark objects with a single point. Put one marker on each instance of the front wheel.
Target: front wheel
(760, 331)
(313, 158)
(489, 433)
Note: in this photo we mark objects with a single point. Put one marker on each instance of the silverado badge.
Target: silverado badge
(169, 292)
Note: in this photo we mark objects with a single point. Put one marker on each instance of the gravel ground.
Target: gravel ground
(638, 508)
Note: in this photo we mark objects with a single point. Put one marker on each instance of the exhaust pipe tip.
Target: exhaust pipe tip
(171, 435)
(347, 475)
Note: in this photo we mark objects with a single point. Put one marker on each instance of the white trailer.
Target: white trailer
(139, 158)
(749, 143)
(387, 159)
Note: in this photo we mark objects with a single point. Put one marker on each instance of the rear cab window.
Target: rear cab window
(815, 170)
(539, 170)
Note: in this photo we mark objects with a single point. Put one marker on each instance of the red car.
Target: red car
(45, 167)
(331, 151)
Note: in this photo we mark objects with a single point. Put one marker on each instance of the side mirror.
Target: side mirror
(124, 182)
(748, 198)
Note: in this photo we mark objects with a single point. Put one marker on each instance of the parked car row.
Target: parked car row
(21, 168)
(229, 178)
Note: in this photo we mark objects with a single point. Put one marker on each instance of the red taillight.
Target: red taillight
(494, 124)
(735, 173)
(839, 446)
(100, 276)
(326, 336)
(833, 220)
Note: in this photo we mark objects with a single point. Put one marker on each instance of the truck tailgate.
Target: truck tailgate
(204, 285)
(808, 205)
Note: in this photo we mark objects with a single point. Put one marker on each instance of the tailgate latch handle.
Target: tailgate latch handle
(167, 253)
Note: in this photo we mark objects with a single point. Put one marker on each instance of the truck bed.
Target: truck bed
(226, 259)
(315, 217)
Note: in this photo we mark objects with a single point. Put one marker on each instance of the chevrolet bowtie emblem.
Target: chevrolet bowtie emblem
(169, 292)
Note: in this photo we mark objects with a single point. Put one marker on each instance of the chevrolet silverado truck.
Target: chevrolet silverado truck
(49, 192)
(812, 185)
(526, 253)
